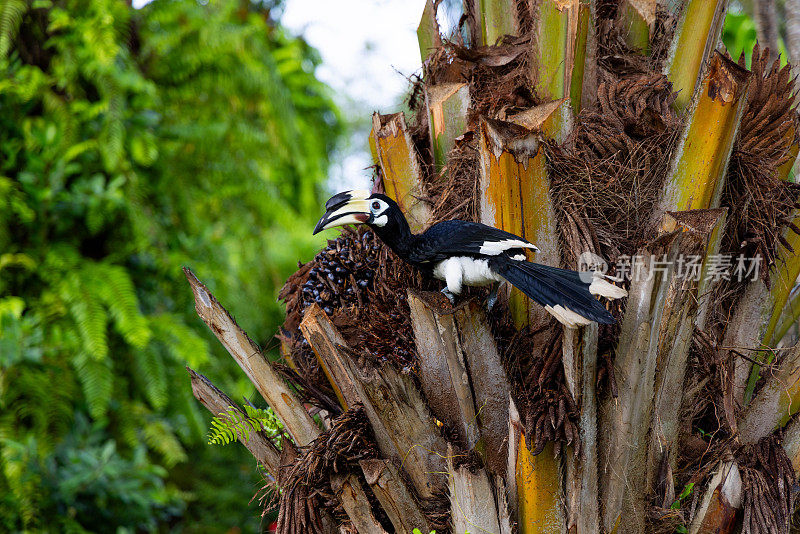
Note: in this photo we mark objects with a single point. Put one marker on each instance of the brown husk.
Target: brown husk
(768, 481)
(306, 489)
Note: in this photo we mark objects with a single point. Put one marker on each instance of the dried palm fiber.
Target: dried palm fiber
(610, 171)
(662, 34)
(710, 379)
(500, 84)
(455, 188)
(499, 76)
(306, 489)
(661, 517)
(768, 480)
(616, 57)
(532, 358)
(760, 202)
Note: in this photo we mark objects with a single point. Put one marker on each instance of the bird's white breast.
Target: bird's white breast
(465, 270)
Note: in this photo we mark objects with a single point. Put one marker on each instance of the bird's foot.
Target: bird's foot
(492, 298)
(450, 295)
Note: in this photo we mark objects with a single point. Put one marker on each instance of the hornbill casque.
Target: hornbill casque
(473, 254)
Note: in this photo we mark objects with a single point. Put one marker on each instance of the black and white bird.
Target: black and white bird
(465, 253)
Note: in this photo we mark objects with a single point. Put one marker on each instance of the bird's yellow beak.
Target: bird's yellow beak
(349, 207)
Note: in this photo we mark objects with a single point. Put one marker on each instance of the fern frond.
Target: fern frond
(115, 289)
(153, 375)
(184, 344)
(112, 136)
(11, 12)
(88, 312)
(160, 437)
(97, 381)
(15, 460)
(235, 424)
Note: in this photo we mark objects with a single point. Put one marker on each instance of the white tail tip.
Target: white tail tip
(602, 287)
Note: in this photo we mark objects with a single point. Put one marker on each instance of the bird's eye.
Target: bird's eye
(376, 205)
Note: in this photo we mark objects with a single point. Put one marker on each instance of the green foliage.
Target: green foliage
(233, 425)
(86, 481)
(739, 36)
(132, 143)
(687, 491)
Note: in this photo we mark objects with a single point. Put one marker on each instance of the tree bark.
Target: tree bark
(767, 25)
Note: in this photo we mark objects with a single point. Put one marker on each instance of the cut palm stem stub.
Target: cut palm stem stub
(696, 36)
(395, 153)
(390, 489)
(583, 79)
(259, 445)
(783, 276)
(788, 319)
(354, 500)
(554, 47)
(637, 18)
(647, 321)
(447, 118)
(700, 160)
(683, 304)
(497, 18)
(490, 387)
(516, 198)
(582, 502)
(404, 427)
(472, 500)
(428, 31)
(443, 373)
(246, 353)
(776, 402)
(717, 513)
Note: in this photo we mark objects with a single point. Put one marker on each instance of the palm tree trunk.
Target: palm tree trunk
(585, 126)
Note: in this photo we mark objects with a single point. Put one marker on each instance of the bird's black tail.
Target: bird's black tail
(562, 292)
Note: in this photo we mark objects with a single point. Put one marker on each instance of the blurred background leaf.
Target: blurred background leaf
(132, 143)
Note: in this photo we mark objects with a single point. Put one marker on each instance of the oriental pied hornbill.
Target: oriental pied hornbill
(473, 254)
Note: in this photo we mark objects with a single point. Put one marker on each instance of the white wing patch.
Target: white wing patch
(493, 248)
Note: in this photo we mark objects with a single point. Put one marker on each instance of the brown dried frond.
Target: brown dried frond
(307, 490)
(768, 480)
(455, 188)
(664, 520)
(616, 58)
(444, 66)
(704, 433)
(310, 381)
(532, 358)
(614, 55)
(610, 173)
(607, 9)
(760, 202)
(661, 38)
(500, 77)
(437, 510)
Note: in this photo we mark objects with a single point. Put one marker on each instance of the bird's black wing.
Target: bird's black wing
(462, 238)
